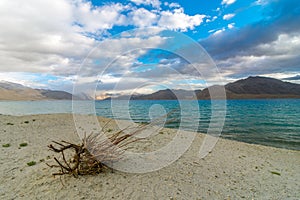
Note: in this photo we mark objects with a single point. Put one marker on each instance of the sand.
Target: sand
(233, 170)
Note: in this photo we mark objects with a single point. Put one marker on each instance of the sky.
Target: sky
(139, 46)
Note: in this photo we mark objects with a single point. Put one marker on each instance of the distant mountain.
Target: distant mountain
(83, 96)
(256, 87)
(249, 88)
(263, 85)
(51, 94)
(167, 95)
(159, 95)
(12, 86)
(218, 91)
(14, 91)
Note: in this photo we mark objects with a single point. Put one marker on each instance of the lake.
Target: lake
(272, 122)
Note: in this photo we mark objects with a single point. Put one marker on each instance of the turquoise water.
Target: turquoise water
(273, 122)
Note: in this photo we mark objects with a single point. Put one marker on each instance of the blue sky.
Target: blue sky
(214, 8)
(48, 44)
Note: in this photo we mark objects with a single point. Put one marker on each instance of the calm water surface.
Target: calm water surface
(274, 122)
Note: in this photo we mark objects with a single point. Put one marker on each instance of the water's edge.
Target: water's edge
(270, 122)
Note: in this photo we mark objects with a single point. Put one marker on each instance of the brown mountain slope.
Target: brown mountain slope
(256, 88)
(263, 85)
(13, 91)
(249, 88)
(167, 95)
(18, 92)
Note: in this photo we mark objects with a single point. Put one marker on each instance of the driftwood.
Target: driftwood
(92, 155)
(97, 150)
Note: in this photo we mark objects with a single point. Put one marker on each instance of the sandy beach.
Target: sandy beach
(233, 170)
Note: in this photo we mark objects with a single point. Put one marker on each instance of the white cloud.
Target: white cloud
(153, 3)
(219, 31)
(231, 26)
(282, 76)
(54, 37)
(143, 18)
(40, 36)
(228, 16)
(40, 81)
(94, 19)
(211, 20)
(228, 2)
(275, 57)
(286, 46)
(262, 2)
(174, 5)
(178, 20)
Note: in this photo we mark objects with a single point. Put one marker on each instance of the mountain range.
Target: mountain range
(14, 91)
(250, 88)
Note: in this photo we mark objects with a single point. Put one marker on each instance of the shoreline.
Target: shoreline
(222, 136)
(233, 170)
(203, 99)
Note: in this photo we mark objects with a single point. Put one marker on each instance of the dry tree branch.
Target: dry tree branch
(90, 156)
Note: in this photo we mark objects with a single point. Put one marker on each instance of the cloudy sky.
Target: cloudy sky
(132, 46)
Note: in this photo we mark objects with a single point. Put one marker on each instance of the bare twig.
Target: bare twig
(91, 155)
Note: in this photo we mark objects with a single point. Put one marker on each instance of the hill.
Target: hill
(257, 87)
(167, 95)
(18, 92)
(263, 85)
(250, 88)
